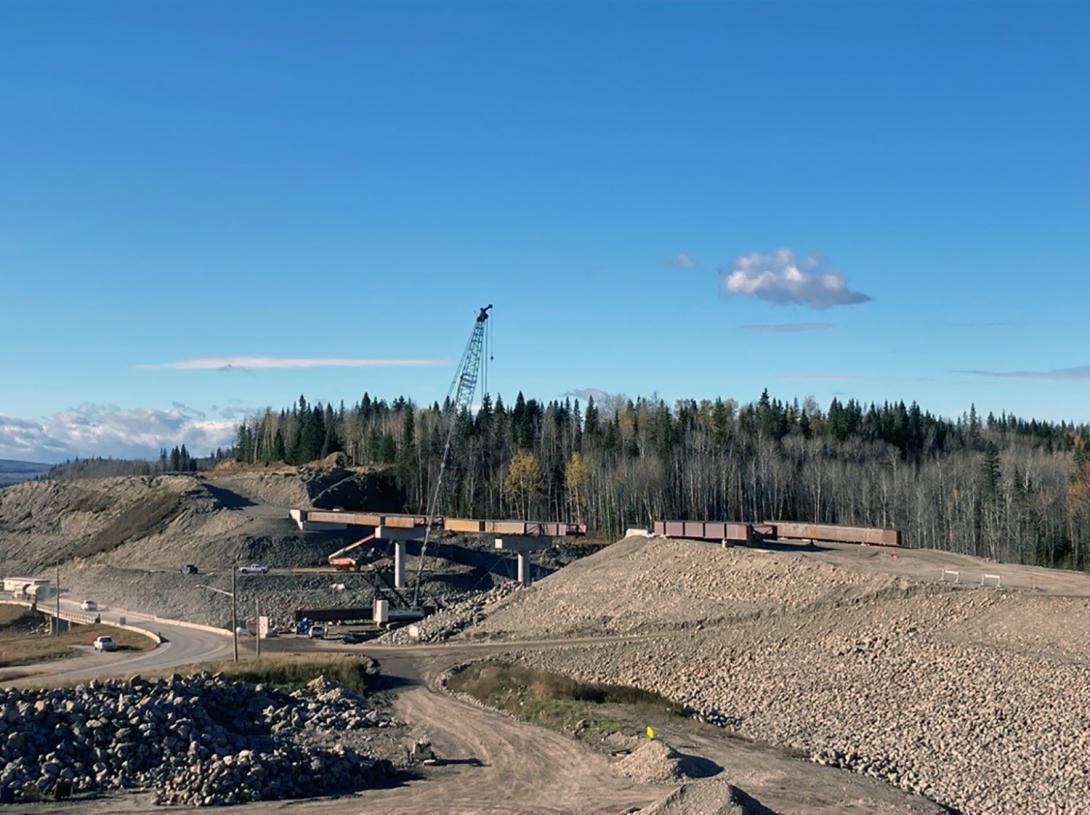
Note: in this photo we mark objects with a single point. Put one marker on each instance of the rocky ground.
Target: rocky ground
(449, 621)
(201, 740)
(121, 541)
(976, 698)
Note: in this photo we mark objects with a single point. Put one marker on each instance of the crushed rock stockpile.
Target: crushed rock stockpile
(446, 623)
(654, 762)
(712, 796)
(201, 740)
(976, 698)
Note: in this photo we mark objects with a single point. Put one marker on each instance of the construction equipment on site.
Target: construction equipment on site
(459, 398)
(343, 560)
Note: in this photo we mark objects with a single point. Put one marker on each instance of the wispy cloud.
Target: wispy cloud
(107, 430)
(776, 277)
(250, 363)
(1078, 373)
(682, 260)
(788, 328)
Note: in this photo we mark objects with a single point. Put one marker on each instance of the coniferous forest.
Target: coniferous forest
(996, 486)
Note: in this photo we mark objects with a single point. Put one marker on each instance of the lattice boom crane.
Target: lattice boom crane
(459, 398)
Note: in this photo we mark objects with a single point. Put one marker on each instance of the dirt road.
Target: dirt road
(496, 764)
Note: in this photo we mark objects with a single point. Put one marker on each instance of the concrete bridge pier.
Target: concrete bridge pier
(522, 546)
(398, 536)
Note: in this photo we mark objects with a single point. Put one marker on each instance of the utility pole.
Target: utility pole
(57, 619)
(257, 625)
(234, 609)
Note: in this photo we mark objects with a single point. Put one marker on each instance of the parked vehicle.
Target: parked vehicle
(89, 605)
(105, 644)
(242, 631)
(189, 568)
(353, 637)
(317, 632)
(254, 568)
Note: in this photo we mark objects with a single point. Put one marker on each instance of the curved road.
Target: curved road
(183, 644)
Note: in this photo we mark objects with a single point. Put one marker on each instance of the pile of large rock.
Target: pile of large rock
(200, 740)
(975, 698)
(444, 624)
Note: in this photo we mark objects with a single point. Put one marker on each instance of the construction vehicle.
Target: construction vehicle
(343, 561)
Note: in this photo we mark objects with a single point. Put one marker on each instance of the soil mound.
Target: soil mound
(713, 796)
(656, 762)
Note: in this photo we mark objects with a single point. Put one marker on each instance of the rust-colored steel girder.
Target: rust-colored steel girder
(705, 530)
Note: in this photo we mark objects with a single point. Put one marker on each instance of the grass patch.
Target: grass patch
(589, 711)
(293, 671)
(26, 650)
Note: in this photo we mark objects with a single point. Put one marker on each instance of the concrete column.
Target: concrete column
(397, 536)
(522, 545)
(399, 564)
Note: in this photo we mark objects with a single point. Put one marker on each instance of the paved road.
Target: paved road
(183, 645)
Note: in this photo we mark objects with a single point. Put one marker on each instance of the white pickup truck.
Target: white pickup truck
(105, 643)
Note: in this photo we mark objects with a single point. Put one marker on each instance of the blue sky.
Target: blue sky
(875, 200)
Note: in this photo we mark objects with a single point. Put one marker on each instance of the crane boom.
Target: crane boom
(462, 388)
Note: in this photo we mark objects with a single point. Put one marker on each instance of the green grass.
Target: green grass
(560, 702)
(26, 649)
(285, 671)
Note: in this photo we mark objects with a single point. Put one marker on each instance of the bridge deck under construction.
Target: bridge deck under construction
(327, 518)
(778, 530)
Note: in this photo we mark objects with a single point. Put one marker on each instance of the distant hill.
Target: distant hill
(12, 472)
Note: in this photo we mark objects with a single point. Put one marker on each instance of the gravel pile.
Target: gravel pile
(201, 740)
(712, 796)
(975, 698)
(446, 623)
(653, 762)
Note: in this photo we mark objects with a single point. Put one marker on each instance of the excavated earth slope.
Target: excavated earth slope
(977, 698)
(121, 540)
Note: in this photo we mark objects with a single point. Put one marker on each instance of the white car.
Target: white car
(89, 605)
(254, 568)
(105, 644)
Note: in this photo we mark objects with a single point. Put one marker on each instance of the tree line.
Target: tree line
(997, 486)
(176, 460)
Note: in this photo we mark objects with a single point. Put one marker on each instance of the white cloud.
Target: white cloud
(597, 394)
(246, 363)
(776, 277)
(682, 260)
(107, 430)
(1081, 372)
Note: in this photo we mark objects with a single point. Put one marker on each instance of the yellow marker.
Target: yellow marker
(650, 732)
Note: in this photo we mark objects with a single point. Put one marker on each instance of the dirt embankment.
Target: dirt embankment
(121, 540)
(976, 698)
